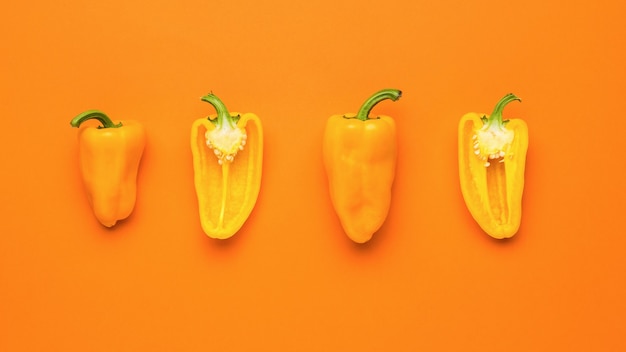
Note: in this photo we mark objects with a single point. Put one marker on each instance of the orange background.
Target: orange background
(291, 280)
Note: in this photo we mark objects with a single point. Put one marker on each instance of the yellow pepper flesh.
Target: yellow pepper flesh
(360, 160)
(227, 154)
(492, 158)
(109, 162)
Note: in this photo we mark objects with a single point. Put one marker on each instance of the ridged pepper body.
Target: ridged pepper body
(227, 152)
(109, 157)
(492, 159)
(360, 161)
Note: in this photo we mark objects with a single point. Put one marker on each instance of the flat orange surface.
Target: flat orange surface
(290, 280)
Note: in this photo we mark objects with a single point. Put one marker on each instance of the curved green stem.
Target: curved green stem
(496, 116)
(379, 96)
(97, 115)
(223, 116)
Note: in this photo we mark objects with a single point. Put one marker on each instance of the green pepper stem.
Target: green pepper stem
(379, 96)
(223, 116)
(97, 115)
(496, 116)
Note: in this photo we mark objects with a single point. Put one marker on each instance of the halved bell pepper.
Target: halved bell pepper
(227, 151)
(492, 158)
(109, 161)
(360, 160)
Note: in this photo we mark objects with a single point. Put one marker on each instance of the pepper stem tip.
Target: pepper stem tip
(364, 111)
(97, 115)
(223, 116)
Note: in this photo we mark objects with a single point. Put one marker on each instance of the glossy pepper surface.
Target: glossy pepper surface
(227, 151)
(359, 155)
(492, 158)
(109, 156)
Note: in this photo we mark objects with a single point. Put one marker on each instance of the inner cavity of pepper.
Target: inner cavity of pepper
(496, 191)
(491, 148)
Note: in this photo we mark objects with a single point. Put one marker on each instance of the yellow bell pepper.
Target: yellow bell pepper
(109, 161)
(360, 160)
(492, 158)
(227, 154)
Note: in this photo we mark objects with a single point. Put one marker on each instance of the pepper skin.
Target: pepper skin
(227, 154)
(109, 161)
(359, 155)
(492, 157)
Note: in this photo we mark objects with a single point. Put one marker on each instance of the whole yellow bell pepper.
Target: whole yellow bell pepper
(492, 158)
(109, 161)
(360, 160)
(227, 154)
